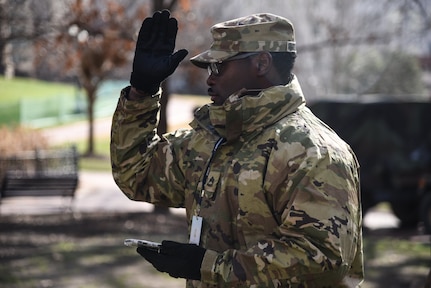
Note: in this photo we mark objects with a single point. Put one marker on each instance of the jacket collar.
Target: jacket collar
(248, 112)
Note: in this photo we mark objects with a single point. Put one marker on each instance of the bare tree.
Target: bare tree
(98, 37)
(95, 38)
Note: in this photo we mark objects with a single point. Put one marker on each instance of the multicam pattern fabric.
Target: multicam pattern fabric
(254, 33)
(281, 205)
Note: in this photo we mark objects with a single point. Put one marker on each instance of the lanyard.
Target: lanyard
(196, 225)
(219, 142)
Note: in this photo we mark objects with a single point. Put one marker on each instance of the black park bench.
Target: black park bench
(40, 173)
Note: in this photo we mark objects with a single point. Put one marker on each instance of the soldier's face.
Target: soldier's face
(231, 77)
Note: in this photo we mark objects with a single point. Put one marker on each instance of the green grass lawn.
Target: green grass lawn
(37, 103)
(27, 88)
(101, 161)
(26, 99)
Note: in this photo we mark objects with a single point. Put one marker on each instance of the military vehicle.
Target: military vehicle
(392, 140)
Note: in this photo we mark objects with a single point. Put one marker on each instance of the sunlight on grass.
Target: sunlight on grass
(18, 88)
(94, 164)
(100, 162)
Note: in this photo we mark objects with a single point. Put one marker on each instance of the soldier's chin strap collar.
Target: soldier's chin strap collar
(251, 92)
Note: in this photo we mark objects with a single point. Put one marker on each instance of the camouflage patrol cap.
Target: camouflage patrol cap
(253, 33)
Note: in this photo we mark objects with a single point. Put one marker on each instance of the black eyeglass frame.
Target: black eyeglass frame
(213, 68)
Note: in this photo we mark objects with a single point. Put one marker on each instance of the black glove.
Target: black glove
(177, 259)
(154, 58)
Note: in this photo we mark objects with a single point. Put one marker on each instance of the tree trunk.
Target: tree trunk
(90, 111)
(9, 65)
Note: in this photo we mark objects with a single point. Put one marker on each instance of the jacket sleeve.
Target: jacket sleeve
(143, 164)
(318, 242)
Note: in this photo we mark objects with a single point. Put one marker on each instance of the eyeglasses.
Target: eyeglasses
(215, 67)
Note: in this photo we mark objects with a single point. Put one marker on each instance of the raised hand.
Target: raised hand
(155, 59)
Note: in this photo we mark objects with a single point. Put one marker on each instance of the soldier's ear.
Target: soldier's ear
(263, 63)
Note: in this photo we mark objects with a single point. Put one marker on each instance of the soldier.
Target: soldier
(271, 193)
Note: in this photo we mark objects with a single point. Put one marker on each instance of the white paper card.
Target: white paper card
(195, 233)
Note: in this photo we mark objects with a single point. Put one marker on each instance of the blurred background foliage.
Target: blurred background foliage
(343, 47)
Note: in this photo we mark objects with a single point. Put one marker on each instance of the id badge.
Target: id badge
(195, 232)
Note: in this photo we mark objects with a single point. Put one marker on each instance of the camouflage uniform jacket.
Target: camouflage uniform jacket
(281, 201)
